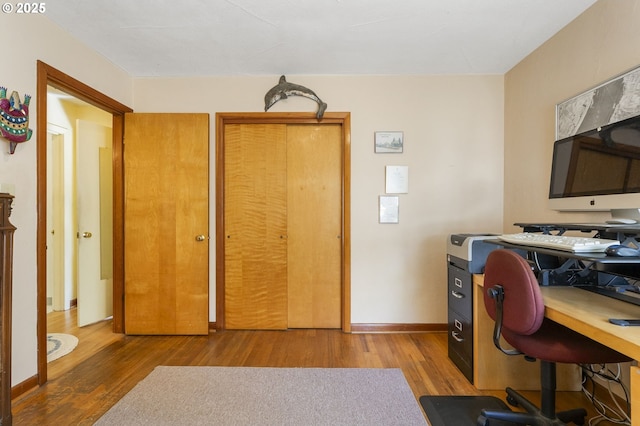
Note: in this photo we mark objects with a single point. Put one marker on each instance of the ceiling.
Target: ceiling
(317, 37)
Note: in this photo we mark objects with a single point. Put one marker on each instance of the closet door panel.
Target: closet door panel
(314, 193)
(255, 219)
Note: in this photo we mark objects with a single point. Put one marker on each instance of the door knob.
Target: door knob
(87, 234)
(200, 237)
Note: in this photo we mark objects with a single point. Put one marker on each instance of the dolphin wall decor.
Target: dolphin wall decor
(284, 89)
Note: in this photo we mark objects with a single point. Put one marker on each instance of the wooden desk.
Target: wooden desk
(494, 370)
(588, 313)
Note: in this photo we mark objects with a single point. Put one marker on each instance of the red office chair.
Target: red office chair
(514, 301)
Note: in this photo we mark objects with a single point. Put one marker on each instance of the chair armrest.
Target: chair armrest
(497, 293)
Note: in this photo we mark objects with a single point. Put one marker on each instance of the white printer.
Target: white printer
(470, 251)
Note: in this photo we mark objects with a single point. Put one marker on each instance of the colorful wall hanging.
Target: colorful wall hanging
(14, 118)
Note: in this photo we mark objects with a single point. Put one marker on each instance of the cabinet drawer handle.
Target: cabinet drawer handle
(458, 339)
(458, 324)
(457, 295)
(457, 282)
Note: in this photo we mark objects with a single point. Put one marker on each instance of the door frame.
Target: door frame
(49, 76)
(341, 118)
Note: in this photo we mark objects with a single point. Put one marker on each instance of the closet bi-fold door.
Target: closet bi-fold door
(282, 215)
(255, 217)
(314, 194)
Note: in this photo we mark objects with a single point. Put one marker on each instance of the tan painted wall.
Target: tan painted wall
(601, 43)
(37, 38)
(453, 147)
(458, 130)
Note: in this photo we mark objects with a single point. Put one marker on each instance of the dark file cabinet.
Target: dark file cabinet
(460, 301)
(466, 255)
(460, 291)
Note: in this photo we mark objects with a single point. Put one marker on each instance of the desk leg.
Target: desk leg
(635, 395)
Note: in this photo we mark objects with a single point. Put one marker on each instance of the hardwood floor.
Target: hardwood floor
(91, 340)
(105, 366)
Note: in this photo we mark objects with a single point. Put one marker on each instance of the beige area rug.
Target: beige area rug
(268, 396)
(59, 345)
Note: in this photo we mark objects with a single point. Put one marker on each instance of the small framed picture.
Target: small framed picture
(388, 142)
(388, 209)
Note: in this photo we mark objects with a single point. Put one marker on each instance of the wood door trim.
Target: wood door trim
(341, 118)
(49, 76)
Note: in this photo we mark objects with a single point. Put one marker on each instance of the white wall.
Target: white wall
(35, 37)
(453, 129)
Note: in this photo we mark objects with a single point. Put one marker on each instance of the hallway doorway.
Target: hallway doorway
(79, 208)
(48, 76)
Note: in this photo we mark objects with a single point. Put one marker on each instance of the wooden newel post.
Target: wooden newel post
(6, 274)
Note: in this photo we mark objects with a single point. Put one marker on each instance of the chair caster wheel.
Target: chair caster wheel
(512, 401)
(482, 421)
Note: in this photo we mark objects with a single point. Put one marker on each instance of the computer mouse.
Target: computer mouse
(620, 250)
(621, 221)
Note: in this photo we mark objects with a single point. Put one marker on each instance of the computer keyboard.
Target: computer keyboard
(559, 242)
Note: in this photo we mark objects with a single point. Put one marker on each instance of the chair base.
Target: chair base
(533, 415)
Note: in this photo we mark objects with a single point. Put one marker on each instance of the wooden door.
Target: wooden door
(283, 204)
(166, 168)
(55, 219)
(255, 220)
(95, 222)
(314, 226)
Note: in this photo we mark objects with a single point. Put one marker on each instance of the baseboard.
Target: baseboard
(397, 328)
(382, 328)
(24, 387)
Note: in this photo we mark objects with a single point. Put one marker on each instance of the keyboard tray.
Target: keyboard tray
(587, 256)
(626, 296)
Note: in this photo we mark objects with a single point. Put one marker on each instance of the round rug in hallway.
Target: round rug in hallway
(59, 345)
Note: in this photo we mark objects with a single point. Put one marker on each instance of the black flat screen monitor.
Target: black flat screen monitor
(597, 170)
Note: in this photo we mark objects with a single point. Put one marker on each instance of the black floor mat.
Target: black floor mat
(459, 410)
